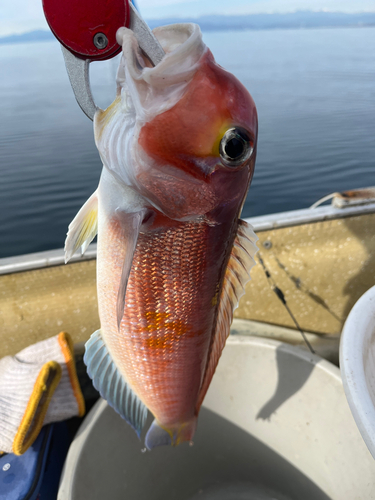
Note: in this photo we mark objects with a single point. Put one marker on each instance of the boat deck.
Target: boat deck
(322, 260)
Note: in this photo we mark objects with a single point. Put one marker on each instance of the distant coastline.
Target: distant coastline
(295, 20)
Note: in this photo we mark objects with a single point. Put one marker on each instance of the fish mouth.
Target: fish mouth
(144, 92)
(154, 89)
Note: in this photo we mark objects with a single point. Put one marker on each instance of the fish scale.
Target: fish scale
(168, 319)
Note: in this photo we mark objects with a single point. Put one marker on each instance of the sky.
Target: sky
(20, 16)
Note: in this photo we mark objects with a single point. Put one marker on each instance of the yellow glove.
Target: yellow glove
(37, 386)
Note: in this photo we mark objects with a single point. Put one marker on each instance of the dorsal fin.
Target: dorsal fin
(237, 274)
(111, 385)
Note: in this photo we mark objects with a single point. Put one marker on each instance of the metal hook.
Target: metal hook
(78, 69)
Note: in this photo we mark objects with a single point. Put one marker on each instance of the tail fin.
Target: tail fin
(158, 435)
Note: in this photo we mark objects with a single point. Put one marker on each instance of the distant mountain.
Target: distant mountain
(31, 36)
(295, 20)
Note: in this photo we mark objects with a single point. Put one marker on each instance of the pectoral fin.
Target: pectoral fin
(83, 228)
(130, 226)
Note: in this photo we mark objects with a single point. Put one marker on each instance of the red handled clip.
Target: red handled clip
(87, 32)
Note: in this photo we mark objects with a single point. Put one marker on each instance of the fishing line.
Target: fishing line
(303, 288)
(281, 297)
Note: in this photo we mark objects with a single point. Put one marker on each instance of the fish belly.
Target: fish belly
(163, 341)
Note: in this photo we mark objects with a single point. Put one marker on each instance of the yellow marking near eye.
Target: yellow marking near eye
(216, 147)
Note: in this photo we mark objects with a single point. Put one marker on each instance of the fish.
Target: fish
(178, 147)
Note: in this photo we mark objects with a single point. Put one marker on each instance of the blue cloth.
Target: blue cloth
(35, 475)
(59, 447)
(21, 476)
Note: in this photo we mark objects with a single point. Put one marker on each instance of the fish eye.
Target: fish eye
(236, 147)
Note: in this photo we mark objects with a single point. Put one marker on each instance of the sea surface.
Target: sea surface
(315, 94)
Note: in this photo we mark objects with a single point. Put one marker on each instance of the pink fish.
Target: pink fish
(178, 147)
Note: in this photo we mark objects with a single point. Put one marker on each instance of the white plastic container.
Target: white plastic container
(275, 425)
(357, 363)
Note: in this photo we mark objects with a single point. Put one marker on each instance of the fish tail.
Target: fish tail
(159, 435)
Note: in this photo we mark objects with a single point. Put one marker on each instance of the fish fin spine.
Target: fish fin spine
(83, 228)
(111, 384)
(237, 274)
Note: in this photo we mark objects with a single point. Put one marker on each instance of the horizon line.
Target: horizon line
(323, 11)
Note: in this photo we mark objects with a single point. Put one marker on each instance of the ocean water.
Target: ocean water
(315, 95)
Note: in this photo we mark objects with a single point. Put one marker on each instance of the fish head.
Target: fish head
(183, 134)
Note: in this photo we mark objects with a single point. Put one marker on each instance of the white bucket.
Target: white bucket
(275, 425)
(357, 362)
